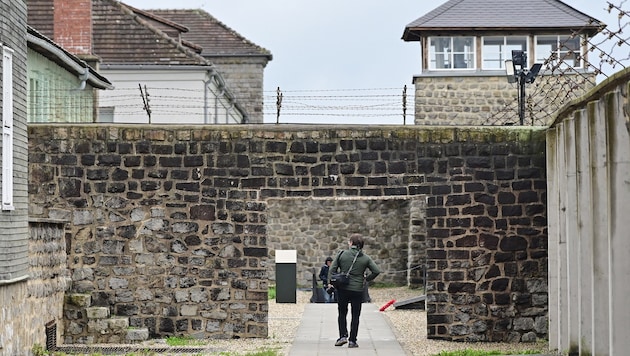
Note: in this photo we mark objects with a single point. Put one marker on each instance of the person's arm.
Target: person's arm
(334, 266)
(323, 275)
(374, 270)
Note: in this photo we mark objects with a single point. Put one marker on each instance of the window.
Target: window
(7, 128)
(564, 51)
(451, 53)
(497, 49)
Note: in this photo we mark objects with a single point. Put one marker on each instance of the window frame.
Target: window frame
(7, 129)
(543, 55)
(505, 50)
(451, 53)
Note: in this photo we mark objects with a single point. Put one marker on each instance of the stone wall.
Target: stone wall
(244, 79)
(170, 225)
(476, 99)
(29, 306)
(318, 228)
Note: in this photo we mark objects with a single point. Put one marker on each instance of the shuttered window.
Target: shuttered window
(7, 128)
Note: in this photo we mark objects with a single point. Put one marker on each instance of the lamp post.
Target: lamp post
(517, 72)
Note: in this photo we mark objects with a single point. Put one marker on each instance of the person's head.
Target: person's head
(328, 260)
(356, 240)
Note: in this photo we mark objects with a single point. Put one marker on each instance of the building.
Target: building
(157, 78)
(61, 87)
(240, 61)
(464, 46)
(17, 313)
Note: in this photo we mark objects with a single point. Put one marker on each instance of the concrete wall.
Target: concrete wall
(589, 198)
(169, 226)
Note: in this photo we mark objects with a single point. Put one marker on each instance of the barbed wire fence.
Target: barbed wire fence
(380, 103)
(559, 82)
(605, 54)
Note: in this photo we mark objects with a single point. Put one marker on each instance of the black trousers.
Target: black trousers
(355, 299)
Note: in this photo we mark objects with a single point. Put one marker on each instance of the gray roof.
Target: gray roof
(503, 15)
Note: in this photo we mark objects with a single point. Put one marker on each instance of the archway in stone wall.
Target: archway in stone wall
(393, 228)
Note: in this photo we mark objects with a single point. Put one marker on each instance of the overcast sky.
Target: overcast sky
(333, 44)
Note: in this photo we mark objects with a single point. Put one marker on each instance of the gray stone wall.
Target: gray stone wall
(318, 228)
(49, 279)
(29, 306)
(489, 99)
(170, 225)
(244, 78)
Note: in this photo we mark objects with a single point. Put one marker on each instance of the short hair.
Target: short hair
(356, 240)
(328, 259)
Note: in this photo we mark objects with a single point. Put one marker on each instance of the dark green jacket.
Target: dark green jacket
(364, 262)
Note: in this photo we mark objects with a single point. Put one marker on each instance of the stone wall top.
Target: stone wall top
(157, 132)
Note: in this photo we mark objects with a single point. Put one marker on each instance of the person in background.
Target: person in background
(353, 293)
(323, 276)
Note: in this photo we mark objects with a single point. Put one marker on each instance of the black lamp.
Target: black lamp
(517, 72)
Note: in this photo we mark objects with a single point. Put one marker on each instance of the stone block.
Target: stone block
(97, 312)
(188, 310)
(79, 300)
(118, 323)
(98, 326)
(137, 334)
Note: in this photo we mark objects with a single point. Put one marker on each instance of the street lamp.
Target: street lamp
(517, 72)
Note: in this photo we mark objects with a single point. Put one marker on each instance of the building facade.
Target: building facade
(61, 87)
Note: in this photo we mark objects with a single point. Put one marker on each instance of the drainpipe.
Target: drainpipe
(84, 77)
(216, 105)
(206, 85)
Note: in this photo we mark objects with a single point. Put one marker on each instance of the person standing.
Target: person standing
(323, 276)
(355, 262)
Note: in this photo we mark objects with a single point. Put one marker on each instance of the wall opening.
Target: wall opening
(393, 228)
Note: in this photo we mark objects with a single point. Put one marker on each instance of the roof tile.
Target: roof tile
(502, 14)
(212, 35)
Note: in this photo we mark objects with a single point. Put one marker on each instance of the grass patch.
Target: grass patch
(182, 341)
(264, 352)
(271, 292)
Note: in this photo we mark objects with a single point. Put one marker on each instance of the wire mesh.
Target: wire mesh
(562, 81)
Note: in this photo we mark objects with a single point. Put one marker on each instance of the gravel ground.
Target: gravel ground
(409, 326)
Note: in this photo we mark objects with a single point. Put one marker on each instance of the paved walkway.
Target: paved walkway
(318, 332)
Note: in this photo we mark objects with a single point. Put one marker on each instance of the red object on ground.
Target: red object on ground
(387, 305)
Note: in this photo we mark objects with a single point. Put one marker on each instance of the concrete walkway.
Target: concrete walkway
(318, 332)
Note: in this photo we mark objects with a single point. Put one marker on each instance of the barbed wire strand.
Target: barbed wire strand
(559, 82)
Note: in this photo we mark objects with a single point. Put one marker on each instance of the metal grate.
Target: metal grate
(126, 349)
(51, 335)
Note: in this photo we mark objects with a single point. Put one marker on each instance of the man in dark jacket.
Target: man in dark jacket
(356, 263)
(323, 276)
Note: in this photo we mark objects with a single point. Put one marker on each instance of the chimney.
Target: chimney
(73, 26)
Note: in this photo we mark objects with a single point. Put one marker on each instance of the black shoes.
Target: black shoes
(352, 345)
(341, 341)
